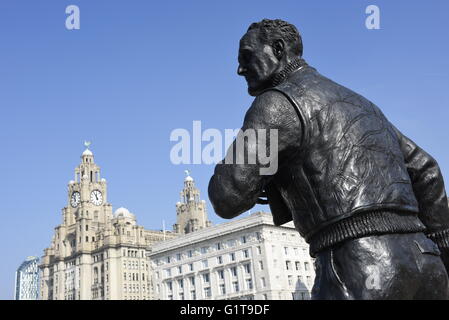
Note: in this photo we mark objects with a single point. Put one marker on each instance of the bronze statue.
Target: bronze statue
(370, 202)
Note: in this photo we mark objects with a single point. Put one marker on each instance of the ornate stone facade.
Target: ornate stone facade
(248, 258)
(95, 254)
(191, 214)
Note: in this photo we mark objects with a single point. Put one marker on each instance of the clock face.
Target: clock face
(75, 199)
(96, 197)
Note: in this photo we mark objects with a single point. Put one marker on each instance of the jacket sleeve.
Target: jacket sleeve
(428, 186)
(236, 185)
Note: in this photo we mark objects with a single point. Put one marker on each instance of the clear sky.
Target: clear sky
(136, 70)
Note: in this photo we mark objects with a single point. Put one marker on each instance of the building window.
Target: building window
(169, 286)
(261, 265)
(181, 283)
(178, 256)
(192, 281)
(193, 295)
(288, 265)
(220, 260)
(207, 292)
(191, 266)
(218, 246)
(168, 260)
(249, 284)
(306, 266)
(262, 282)
(204, 250)
(247, 268)
(168, 272)
(189, 253)
(234, 271)
(221, 274)
(232, 255)
(222, 289)
(259, 250)
(290, 280)
(286, 250)
(244, 239)
(206, 277)
(246, 253)
(204, 263)
(179, 269)
(181, 296)
(297, 265)
(235, 285)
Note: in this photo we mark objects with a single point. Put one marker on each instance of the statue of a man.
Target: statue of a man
(370, 202)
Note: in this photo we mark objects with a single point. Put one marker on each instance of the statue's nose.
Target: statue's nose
(241, 70)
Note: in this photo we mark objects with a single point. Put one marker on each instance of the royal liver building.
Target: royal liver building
(95, 253)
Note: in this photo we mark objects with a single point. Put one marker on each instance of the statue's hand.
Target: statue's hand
(262, 198)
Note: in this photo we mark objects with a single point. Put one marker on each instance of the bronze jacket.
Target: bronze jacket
(350, 173)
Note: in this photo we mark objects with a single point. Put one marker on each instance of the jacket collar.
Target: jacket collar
(294, 65)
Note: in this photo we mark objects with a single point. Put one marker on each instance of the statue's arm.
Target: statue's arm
(428, 186)
(236, 186)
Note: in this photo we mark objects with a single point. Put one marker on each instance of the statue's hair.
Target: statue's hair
(271, 30)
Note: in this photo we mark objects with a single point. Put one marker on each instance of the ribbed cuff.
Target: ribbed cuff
(365, 224)
(441, 238)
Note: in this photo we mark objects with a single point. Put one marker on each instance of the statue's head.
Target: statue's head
(265, 49)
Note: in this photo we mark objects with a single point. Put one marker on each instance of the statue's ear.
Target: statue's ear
(278, 48)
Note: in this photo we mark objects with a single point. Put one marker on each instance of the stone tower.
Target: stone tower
(95, 254)
(191, 214)
(87, 207)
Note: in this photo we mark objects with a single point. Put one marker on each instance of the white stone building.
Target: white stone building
(249, 258)
(95, 254)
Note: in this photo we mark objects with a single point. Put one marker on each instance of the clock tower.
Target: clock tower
(87, 194)
(191, 214)
(95, 254)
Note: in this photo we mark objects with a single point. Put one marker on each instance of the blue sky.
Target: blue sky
(136, 70)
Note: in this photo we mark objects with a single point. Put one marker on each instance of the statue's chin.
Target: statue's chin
(255, 91)
(252, 92)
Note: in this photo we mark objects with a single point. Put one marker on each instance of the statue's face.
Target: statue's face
(257, 63)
